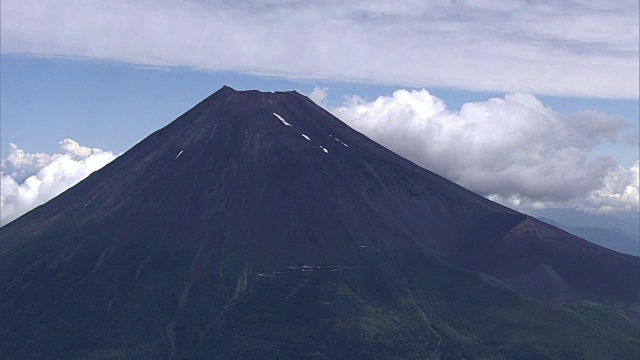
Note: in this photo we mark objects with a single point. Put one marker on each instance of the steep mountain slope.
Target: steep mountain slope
(257, 225)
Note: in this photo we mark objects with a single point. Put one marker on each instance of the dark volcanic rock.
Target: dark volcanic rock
(257, 226)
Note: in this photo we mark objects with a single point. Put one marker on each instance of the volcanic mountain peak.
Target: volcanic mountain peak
(258, 112)
(259, 225)
(250, 99)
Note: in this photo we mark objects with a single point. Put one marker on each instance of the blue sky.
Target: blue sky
(551, 94)
(112, 105)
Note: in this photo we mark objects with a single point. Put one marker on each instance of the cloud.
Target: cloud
(576, 48)
(29, 180)
(319, 95)
(514, 150)
(619, 193)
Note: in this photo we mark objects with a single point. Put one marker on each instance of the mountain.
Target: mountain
(259, 226)
(628, 223)
(614, 239)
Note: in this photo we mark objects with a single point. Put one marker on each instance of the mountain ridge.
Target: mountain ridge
(258, 223)
(611, 238)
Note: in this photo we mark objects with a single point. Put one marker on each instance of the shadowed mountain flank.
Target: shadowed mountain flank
(257, 225)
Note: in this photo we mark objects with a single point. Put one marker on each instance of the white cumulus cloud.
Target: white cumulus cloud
(620, 192)
(31, 179)
(514, 150)
(319, 95)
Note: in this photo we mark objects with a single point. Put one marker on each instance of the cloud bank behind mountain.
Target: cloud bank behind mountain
(31, 179)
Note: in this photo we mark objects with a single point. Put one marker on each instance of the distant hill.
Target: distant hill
(614, 239)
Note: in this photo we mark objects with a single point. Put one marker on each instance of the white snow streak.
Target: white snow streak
(90, 200)
(338, 140)
(180, 153)
(281, 119)
(306, 137)
(325, 150)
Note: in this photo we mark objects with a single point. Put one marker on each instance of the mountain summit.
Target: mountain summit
(259, 226)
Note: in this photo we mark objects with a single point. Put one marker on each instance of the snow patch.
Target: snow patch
(180, 153)
(282, 119)
(90, 200)
(306, 137)
(338, 140)
(304, 268)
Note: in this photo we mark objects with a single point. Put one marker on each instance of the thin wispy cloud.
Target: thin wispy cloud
(575, 48)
